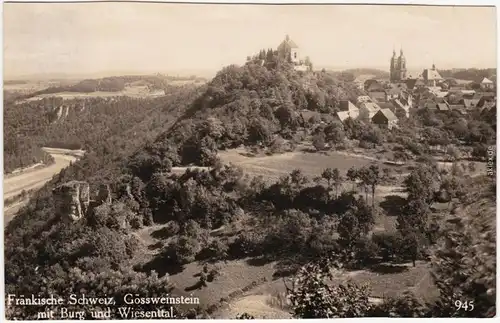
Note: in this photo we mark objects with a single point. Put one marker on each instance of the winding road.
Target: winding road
(33, 179)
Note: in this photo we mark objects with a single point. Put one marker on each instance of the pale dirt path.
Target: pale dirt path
(26, 181)
(256, 305)
(34, 178)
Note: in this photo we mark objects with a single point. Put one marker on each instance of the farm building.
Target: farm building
(385, 118)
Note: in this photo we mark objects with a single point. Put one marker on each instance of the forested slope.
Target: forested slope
(92, 124)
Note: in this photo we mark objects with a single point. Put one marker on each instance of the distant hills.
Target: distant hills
(203, 73)
(470, 74)
(367, 71)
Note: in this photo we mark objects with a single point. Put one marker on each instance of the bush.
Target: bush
(365, 144)
(319, 141)
(246, 244)
(184, 249)
(213, 274)
(406, 305)
(172, 228)
(366, 251)
(217, 250)
(389, 244)
(277, 146)
(245, 316)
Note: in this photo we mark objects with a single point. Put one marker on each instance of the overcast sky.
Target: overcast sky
(85, 38)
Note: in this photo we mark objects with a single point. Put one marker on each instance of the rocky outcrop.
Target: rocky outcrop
(128, 190)
(72, 199)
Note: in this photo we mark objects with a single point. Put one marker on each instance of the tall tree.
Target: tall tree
(333, 178)
(420, 184)
(352, 175)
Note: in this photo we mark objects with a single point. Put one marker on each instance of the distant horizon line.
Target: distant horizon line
(205, 73)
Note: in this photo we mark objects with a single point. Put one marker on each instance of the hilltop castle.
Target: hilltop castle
(398, 67)
(288, 50)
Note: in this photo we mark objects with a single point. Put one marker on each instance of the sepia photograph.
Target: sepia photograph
(249, 161)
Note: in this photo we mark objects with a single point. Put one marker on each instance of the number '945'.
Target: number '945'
(467, 306)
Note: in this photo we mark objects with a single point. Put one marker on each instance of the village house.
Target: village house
(486, 84)
(385, 118)
(431, 77)
(351, 109)
(443, 107)
(412, 84)
(367, 110)
(437, 92)
(469, 103)
(388, 105)
(468, 94)
(395, 91)
(460, 108)
(486, 102)
(341, 116)
(362, 99)
(377, 96)
(401, 109)
(406, 98)
(428, 104)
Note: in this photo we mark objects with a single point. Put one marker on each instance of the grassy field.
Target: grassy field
(311, 164)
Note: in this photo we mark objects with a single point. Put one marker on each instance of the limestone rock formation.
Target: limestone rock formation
(72, 199)
(128, 190)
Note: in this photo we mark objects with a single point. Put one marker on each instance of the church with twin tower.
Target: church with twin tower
(398, 67)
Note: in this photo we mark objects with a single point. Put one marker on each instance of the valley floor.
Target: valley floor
(34, 178)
